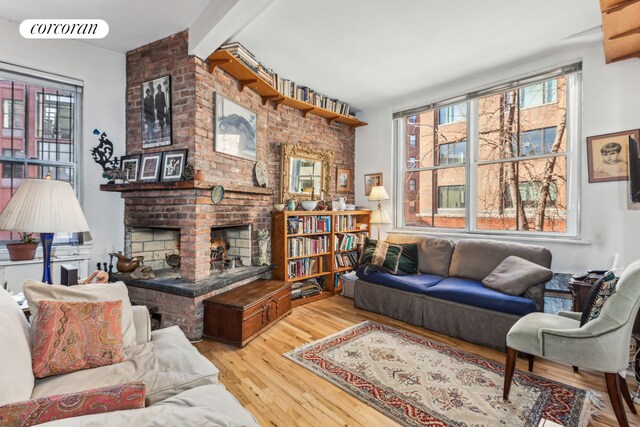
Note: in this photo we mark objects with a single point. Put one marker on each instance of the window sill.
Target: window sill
(494, 236)
(59, 253)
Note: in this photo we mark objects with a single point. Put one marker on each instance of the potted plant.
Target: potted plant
(23, 250)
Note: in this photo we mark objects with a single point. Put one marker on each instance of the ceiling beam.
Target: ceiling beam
(220, 21)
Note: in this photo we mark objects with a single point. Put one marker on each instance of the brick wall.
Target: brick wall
(192, 95)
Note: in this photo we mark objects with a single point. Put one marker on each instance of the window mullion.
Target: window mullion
(471, 169)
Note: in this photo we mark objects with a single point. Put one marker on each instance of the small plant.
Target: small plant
(27, 238)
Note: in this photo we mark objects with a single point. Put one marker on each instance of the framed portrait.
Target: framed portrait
(608, 156)
(156, 112)
(173, 165)
(131, 166)
(150, 167)
(343, 180)
(235, 129)
(370, 181)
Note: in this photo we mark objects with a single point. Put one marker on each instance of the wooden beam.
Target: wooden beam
(615, 6)
(626, 33)
(213, 64)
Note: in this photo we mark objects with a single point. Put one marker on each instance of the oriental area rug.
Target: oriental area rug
(421, 382)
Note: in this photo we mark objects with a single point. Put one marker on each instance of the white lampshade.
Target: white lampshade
(378, 193)
(43, 206)
(380, 217)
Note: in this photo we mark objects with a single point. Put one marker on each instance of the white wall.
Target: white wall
(103, 74)
(610, 103)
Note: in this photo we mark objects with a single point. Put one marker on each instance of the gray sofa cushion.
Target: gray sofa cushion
(434, 253)
(476, 258)
(515, 275)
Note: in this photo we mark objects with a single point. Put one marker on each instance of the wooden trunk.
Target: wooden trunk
(241, 314)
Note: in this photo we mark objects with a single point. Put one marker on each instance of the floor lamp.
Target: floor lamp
(47, 207)
(379, 216)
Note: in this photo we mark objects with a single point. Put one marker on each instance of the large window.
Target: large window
(505, 169)
(40, 120)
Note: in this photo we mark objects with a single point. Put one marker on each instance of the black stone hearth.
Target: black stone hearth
(170, 282)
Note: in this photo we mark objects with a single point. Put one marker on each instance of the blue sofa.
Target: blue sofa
(447, 295)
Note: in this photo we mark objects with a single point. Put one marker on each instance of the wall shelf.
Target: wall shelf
(182, 185)
(247, 78)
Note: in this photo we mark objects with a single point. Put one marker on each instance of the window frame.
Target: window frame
(573, 76)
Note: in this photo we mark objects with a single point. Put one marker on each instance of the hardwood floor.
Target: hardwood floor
(279, 392)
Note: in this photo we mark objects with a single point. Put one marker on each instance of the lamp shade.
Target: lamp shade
(378, 193)
(380, 216)
(43, 206)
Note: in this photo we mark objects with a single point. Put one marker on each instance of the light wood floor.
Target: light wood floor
(279, 392)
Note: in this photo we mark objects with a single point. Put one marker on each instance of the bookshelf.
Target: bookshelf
(316, 244)
(247, 78)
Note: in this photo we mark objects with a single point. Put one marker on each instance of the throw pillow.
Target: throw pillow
(408, 259)
(378, 255)
(95, 401)
(601, 290)
(514, 275)
(38, 291)
(71, 336)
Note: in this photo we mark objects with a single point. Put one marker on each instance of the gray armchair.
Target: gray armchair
(600, 345)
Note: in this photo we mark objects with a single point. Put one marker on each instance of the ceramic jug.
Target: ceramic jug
(339, 203)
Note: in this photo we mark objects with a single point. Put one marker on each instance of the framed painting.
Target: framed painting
(131, 167)
(235, 131)
(343, 180)
(150, 167)
(156, 112)
(173, 165)
(370, 181)
(608, 156)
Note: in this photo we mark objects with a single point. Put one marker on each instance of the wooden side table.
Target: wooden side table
(239, 315)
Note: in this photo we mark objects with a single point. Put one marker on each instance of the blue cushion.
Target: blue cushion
(471, 292)
(416, 283)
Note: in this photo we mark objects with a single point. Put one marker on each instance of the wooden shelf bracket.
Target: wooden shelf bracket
(266, 98)
(215, 63)
(307, 111)
(332, 119)
(243, 83)
(278, 101)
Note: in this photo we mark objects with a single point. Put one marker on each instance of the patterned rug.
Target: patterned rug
(421, 382)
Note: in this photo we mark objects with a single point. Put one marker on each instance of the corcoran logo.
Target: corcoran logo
(64, 29)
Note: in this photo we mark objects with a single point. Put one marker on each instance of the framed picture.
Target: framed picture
(130, 165)
(150, 167)
(370, 181)
(608, 156)
(156, 112)
(235, 130)
(343, 180)
(173, 165)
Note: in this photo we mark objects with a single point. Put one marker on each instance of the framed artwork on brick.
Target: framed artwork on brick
(343, 180)
(130, 165)
(173, 165)
(150, 167)
(156, 112)
(235, 129)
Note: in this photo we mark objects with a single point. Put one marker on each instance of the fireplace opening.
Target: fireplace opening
(230, 247)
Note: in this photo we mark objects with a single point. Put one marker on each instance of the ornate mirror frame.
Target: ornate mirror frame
(288, 151)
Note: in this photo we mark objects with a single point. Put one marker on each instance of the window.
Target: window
(507, 170)
(412, 140)
(539, 94)
(47, 115)
(453, 114)
(412, 119)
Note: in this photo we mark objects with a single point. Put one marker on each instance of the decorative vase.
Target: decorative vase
(22, 251)
(199, 175)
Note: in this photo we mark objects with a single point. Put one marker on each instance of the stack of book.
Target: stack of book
(243, 54)
(305, 289)
(346, 242)
(347, 259)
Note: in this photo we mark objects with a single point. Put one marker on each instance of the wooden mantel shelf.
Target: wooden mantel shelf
(246, 77)
(183, 185)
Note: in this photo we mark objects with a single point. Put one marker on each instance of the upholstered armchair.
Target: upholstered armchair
(601, 344)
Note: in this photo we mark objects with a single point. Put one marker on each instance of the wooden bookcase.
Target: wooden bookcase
(312, 251)
(246, 77)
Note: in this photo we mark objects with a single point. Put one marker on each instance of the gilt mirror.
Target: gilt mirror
(304, 171)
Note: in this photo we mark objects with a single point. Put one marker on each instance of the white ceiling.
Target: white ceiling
(365, 52)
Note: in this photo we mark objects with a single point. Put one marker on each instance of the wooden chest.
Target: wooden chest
(242, 313)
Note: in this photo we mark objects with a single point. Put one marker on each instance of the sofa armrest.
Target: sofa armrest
(142, 323)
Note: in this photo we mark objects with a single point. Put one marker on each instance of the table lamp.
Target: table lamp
(47, 207)
(379, 216)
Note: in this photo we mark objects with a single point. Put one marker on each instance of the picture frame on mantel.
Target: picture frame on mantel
(608, 156)
(173, 163)
(235, 129)
(156, 112)
(150, 165)
(130, 165)
(343, 180)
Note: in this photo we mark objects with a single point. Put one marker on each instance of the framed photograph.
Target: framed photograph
(343, 180)
(150, 167)
(370, 181)
(130, 165)
(156, 112)
(173, 165)
(608, 156)
(235, 130)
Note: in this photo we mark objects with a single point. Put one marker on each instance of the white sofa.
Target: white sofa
(182, 385)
